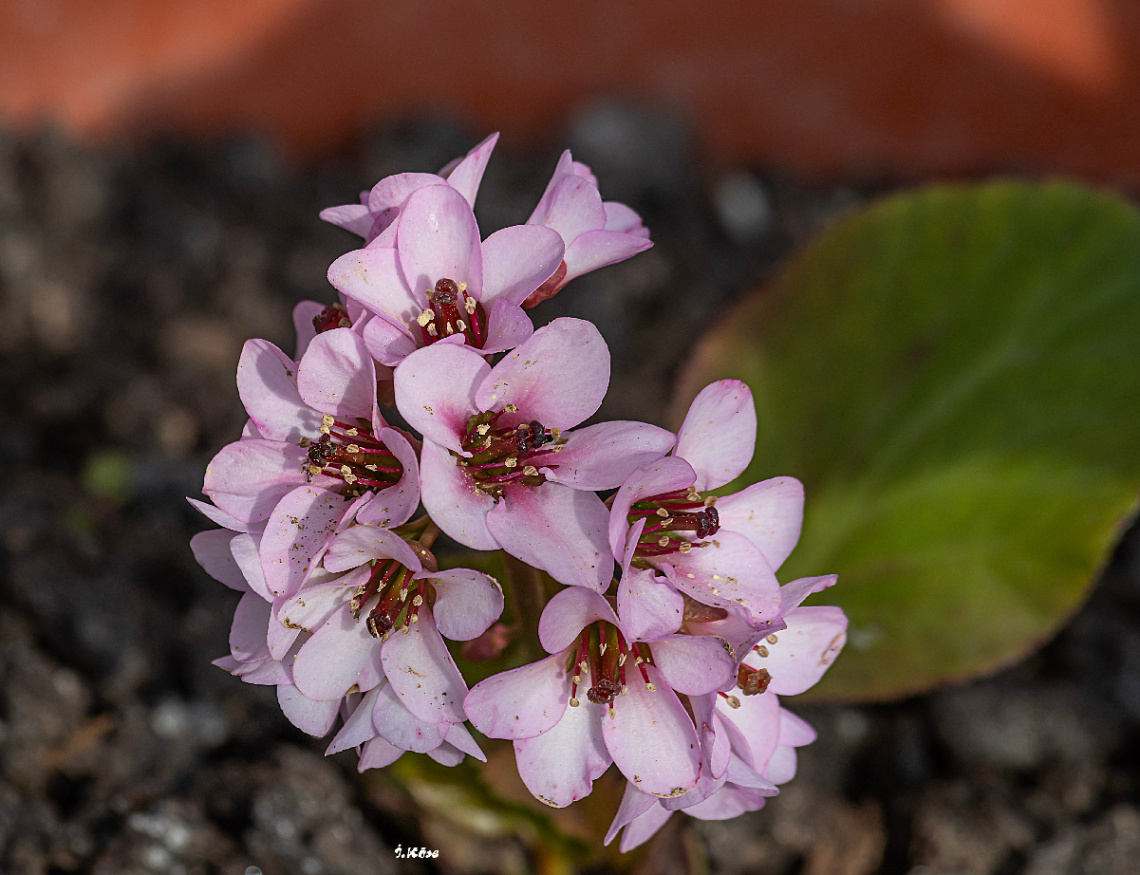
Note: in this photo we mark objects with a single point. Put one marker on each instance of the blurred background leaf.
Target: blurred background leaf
(955, 376)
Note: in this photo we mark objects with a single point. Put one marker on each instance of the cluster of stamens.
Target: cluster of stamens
(752, 681)
(332, 316)
(603, 652)
(668, 514)
(508, 454)
(451, 311)
(352, 454)
(392, 583)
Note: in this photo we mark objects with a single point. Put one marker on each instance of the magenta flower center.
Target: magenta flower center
(451, 311)
(508, 454)
(668, 515)
(351, 453)
(390, 583)
(332, 316)
(603, 652)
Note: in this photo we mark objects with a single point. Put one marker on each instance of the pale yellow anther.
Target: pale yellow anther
(469, 306)
(353, 432)
(663, 541)
(415, 619)
(772, 639)
(418, 600)
(425, 317)
(462, 286)
(602, 648)
(621, 659)
(352, 448)
(574, 702)
(582, 665)
(613, 713)
(345, 471)
(510, 408)
(649, 686)
(314, 470)
(431, 330)
(710, 501)
(577, 679)
(450, 329)
(661, 512)
(761, 650)
(324, 429)
(327, 420)
(483, 429)
(555, 434)
(404, 594)
(685, 547)
(530, 470)
(461, 325)
(371, 467)
(733, 702)
(640, 659)
(305, 442)
(624, 689)
(668, 521)
(511, 462)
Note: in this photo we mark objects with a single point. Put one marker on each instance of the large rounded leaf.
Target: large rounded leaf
(955, 376)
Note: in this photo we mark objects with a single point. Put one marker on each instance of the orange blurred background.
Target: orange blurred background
(822, 87)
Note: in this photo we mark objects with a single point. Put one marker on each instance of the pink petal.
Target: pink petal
(743, 775)
(644, 828)
(398, 725)
(310, 609)
(731, 801)
(602, 456)
(727, 570)
(446, 755)
(559, 376)
(388, 343)
(281, 638)
(394, 505)
(718, 435)
(340, 655)
(468, 172)
(558, 529)
(438, 238)
(805, 650)
(520, 703)
(571, 206)
(435, 391)
(793, 593)
(694, 665)
(219, 516)
(507, 326)
(246, 551)
(649, 607)
(358, 728)
(757, 721)
(356, 218)
(782, 765)
(337, 375)
(247, 632)
(267, 384)
(769, 514)
(561, 765)
(568, 613)
(361, 544)
(394, 191)
(657, 478)
(303, 315)
(595, 249)
(623, 219)
(651, 737)
(212, 551)
(794, 731)
(377, 754)
(247, 478)
(308, 715)
(298, 530)
(453, 502)
(634, 803)
(372, 276)
(462, 740)
(423, 674)
(467, 602)
(517, 260)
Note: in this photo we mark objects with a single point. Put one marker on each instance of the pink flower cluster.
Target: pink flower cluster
(672, 640)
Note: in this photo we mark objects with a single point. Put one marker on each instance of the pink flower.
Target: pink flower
(751, 739)
(317, 454)
(374, 217)
(719, 551)
(438, 280)
(632, 714)
(596, 232)
(500, 466)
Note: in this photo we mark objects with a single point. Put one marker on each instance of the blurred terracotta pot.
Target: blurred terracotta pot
(825, 86)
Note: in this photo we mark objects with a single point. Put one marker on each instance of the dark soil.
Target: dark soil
(129, 281)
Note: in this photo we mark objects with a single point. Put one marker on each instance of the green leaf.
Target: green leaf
(955, 376)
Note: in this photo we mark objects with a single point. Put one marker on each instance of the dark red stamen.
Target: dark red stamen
(332, 316)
